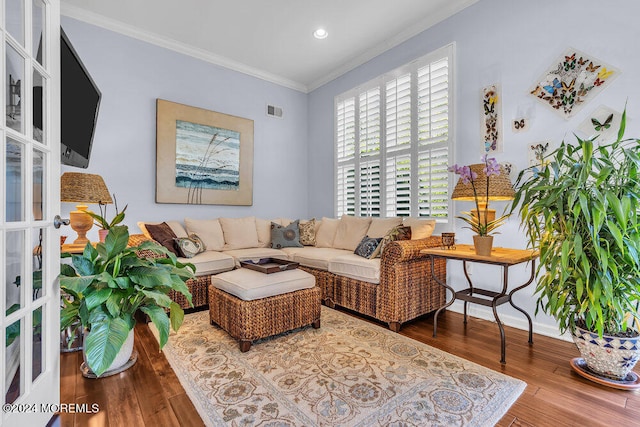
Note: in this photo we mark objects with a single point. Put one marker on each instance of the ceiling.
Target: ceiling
(271, 39)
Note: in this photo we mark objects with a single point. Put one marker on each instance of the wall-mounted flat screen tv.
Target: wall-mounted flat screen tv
(79, 106)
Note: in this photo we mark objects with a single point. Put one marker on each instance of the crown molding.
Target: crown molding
(405, 35)
(167, 43)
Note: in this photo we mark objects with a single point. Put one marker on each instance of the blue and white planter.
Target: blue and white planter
(610, 357)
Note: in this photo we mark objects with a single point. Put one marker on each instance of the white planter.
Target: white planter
(610, 357)
(122, 357)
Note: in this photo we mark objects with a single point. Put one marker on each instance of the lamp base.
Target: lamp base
(80, 222)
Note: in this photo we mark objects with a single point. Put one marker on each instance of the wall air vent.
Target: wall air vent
(274, 111)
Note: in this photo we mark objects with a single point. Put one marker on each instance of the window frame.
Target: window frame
(385, 154)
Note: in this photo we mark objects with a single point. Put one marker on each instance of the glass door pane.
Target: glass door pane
(14, 17)
(39, 19)
(14, 77)
(38, 117)
(14, 181)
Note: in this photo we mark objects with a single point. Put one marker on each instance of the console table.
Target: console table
(503, 257)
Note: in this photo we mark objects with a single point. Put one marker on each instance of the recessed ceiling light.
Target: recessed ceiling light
(320, 33)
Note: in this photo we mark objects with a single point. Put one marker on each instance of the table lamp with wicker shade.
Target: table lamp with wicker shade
(500, 189)
(82, 188)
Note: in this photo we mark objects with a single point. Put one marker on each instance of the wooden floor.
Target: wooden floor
(149, 393)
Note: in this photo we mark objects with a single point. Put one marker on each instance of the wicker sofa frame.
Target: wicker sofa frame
(406, 290)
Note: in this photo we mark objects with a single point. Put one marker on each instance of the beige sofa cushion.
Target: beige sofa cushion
(176, 226)
(251, 285)
(350, 232)
(208, 230)
(356, 267)
(326, 232)
(291, 252)
(420, 228)
(210, 262)
(317, 257)
(239, 233)
(263, 228)
(381, 226)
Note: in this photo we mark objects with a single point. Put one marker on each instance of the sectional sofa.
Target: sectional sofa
(394, 288)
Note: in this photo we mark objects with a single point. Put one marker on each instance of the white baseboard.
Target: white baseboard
(518, 322)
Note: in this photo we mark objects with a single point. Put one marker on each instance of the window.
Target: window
(393, 142)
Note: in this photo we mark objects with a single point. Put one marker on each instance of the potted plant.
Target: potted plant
(478, 176)
(105, 286)
(101, 220)
(580, 210)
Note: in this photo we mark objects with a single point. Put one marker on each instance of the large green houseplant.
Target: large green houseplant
(105, 286)
(580, 210)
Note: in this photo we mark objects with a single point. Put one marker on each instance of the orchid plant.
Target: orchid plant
(478, 222)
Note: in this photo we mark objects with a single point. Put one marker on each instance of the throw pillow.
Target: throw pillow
(308, 232)
(208, 230)
(164, 235)
(239, 233)
(177, 228)
(399, 232)
(263, 227)
(190, 246)
(367, 247)
(285, 237)
(350, 231)
(326, 232)
(381, 226)
(420, 228)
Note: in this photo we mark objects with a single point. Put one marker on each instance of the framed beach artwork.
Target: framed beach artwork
(573, 80)
(491, 126)
(202, 157)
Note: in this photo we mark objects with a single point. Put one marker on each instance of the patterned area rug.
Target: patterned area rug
(347, 373)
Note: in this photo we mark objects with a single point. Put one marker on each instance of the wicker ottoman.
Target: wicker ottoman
(255, 305)
(198, 287)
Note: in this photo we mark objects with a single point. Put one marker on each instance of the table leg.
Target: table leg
(466, 275)
(453, 296)
(533, 268)
(503, 359)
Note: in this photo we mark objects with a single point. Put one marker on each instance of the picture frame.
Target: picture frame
(202, 156)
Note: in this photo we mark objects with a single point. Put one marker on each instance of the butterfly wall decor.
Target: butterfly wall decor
(572, 81)
(519, 125)
(491, 119)
(536, 154)
(603, 124)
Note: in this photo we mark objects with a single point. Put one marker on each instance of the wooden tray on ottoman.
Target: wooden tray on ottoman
(269, 265)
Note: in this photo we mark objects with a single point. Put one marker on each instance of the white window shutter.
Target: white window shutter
(393, 142)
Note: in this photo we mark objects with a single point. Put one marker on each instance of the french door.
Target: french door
(30, 196)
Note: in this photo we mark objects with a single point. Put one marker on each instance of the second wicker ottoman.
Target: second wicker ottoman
(250, 305)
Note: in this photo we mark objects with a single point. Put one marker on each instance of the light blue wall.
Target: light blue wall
(131, 74)
(511, 42)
